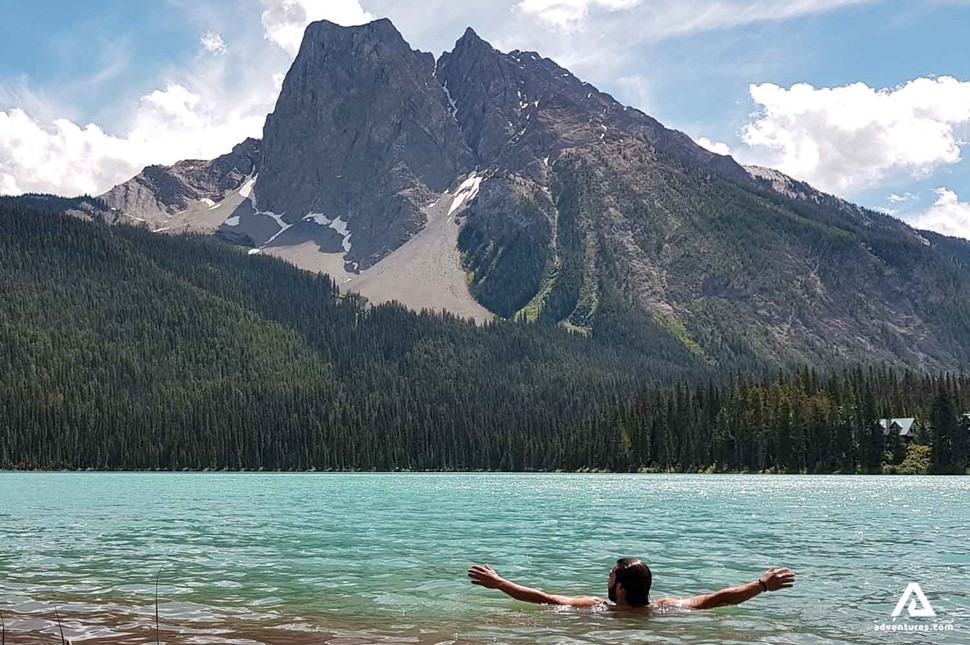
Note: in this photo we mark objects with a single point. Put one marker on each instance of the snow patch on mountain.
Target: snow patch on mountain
(279, 220)
(247, 189)
(341, 227)
(451, 101)
(466, 192)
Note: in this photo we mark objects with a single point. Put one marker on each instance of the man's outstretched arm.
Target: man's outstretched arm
(771, 580)
(485, 576)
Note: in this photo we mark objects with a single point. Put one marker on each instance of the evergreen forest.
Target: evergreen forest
(121, 349)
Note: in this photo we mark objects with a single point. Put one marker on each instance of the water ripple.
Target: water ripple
(381, 558)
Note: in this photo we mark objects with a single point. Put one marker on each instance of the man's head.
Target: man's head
(629, 583)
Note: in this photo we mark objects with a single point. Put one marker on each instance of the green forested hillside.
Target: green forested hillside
(734, 272)
(123, 349)
(119, 348)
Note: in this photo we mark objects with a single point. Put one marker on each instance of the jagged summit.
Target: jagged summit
(517, 109)
(491, 183)
(318, 27)
(361, 132)
(469, 37)
(330, 34)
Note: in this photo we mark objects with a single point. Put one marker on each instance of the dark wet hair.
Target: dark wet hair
(636, 579)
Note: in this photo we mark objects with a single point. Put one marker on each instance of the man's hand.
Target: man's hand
(485, 576)
(775, 579)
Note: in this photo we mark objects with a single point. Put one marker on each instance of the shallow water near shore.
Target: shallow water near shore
(359, 558)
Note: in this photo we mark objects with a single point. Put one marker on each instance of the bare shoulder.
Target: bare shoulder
(669, 602)
(693, 602)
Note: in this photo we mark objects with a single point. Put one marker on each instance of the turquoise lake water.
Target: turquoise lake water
(360, 558)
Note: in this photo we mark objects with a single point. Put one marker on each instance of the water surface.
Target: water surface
(356, 558)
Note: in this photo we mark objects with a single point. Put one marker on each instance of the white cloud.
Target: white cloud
(659, 19)
(714, 146)
(19, 94)
(284, 21)
(901, 199)
(65, 158)
(218, 100)
(635, 90)
(948, 215)
(849, 138)
(566, 13)
(213, 43)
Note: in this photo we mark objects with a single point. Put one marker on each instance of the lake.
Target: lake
(362, 558)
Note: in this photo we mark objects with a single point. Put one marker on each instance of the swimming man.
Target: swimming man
(629, 587)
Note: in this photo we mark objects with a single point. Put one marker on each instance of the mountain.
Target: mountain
(499, 184)
(188, 196)
(361, 132)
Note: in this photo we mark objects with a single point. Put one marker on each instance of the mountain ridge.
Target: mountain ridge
(180, 196)
(585, 213)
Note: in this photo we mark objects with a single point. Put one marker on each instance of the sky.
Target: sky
(865, 99)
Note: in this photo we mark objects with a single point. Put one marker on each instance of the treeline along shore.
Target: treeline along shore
(124, 350)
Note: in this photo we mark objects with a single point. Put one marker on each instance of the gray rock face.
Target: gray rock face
(521, 111)
(533, 239)
(363, 132)
(159, 193)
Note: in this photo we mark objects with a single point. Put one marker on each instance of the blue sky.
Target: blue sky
(868, 99)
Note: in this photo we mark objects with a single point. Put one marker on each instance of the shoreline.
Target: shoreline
(207, 471)
(134, 625)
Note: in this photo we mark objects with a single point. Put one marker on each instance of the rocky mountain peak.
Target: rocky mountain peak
(495, 98)
(361, 132)
(521, 111)
(470, 41)
(377, 38)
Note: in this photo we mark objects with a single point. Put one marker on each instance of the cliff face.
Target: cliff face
(363, 132)
(520, 110)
